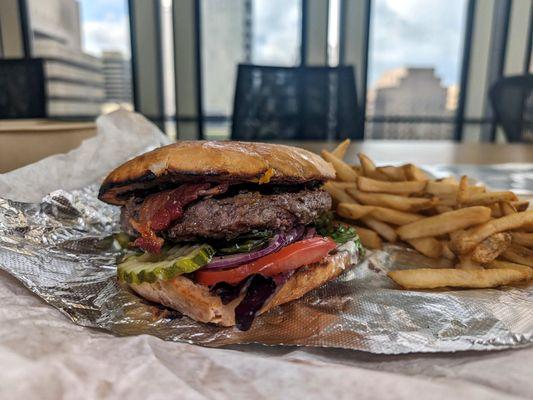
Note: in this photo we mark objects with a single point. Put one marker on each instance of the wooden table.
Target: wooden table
(430, 152)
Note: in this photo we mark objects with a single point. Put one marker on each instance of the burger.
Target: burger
(225, 231)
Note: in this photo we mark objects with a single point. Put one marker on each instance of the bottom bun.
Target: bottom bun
(197, 302)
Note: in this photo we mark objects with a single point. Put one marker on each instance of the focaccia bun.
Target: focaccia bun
(215, 161)
(197, 302)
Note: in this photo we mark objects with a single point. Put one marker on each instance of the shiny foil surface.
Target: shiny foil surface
(62, 249)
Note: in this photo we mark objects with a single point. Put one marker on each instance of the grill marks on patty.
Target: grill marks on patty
(228, 217)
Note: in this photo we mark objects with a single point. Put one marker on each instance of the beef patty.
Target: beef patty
(228, 217)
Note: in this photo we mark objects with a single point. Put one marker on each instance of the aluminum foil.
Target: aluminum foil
(62, 249)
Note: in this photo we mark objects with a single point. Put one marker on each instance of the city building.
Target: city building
(117, 77)
(404, 93)
(226, 42)
(74, 79)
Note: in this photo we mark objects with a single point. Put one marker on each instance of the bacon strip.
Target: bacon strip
(159, 210)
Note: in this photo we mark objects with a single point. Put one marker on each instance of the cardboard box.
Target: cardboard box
(23, 142)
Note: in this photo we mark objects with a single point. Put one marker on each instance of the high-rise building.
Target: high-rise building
(226, 42)
(117, 77)
(74, 79)
(409, 92)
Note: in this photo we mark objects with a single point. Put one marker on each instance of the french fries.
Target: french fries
(523, 239)
(368, 237)
(372, 185)
(337, 193)
(410, 204)
(353, 211)
(429, 247)
(393, 173)
(498, 264)
(444, 223)
(344, 171)
(428, 278)
(519, 255)
(477, 238)
(381, 228)
(491, 247)
(369, 168)
(467, 240)
(340, 150)
(413, 173)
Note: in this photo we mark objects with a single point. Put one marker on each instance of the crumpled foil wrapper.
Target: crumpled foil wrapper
(62, 249)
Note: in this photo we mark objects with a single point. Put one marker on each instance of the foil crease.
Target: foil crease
(62, 249)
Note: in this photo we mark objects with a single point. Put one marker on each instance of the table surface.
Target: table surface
(430, 152)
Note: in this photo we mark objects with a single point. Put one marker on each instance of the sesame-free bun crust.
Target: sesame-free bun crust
(215, 161)
(198, 303)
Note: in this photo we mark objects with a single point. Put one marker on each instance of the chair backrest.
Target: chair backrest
(301, 103)
(512, 101)
(22, 89)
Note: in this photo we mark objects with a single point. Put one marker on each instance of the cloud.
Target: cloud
(109, 33)
(276, 32)
(417, 33)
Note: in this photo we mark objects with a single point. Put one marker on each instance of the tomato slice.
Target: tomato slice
(295, 255)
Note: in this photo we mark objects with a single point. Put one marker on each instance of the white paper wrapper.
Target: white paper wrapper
(61, 250)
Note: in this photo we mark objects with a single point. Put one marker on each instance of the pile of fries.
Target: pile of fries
(478, 239)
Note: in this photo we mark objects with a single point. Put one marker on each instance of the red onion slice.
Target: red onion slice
(277, 242)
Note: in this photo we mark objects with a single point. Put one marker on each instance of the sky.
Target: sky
(417, 33)
(403, 33)
(105, 26)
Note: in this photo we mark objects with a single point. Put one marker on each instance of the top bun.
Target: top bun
(214, 161)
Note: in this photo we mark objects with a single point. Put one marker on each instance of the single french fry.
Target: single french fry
(462, 193)
(442, 188)
(520, 205)
(413, 173)
(384, 230)
(401, 203)
(393, 173)
(523, 239)
(519, 254)
(353, 211)
(338, 194)
(427, 278)
(344, 185)
(340, 150)
(499, 264)
(369, 238)
(467, 240)
(372, 185)
(429, 247)
(444, 223)
(482, 199)
(369, 168)
(490, 248)
(392, 216)
(344, 171)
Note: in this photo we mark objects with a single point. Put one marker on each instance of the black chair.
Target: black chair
(512, 101)
(301, 103)
(22, 88)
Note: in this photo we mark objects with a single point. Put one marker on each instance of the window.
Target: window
(414, 68)
(86, 48)
(264, 32)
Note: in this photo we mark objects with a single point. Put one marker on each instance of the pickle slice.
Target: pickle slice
(177, 260)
